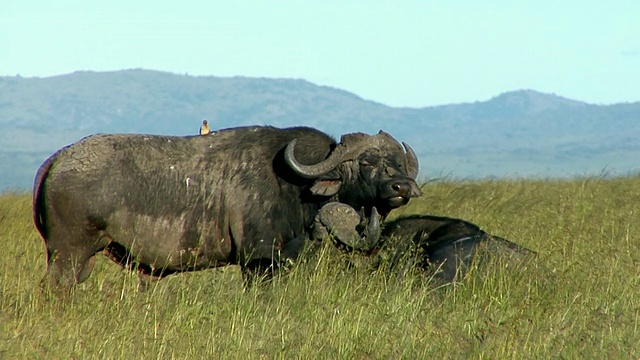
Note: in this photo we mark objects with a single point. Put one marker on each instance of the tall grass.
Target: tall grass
(580, 299)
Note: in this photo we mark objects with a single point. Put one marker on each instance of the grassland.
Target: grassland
(581, 299)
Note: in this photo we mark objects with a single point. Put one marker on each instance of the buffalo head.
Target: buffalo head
(363, 170)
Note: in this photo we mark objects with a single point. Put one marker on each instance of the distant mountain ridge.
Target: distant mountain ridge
(518, 133)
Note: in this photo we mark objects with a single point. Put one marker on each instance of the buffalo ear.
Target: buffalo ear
(326, 187)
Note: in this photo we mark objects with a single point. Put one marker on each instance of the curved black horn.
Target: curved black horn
(413, 166)
(373, 230)
(312, 171)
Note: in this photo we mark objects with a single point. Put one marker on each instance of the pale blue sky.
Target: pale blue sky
(400, 53)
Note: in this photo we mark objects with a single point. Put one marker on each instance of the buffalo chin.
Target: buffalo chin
(396, 201)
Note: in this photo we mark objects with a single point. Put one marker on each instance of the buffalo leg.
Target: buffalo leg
(69, 262)
(85, 271)
(257, 271)
(292, 250)
(145, 280)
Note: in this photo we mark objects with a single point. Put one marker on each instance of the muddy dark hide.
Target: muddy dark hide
(447, 248)
(243, 196)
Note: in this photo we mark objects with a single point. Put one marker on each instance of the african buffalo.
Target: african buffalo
(445, 246)
(245, 196)
(448, 246)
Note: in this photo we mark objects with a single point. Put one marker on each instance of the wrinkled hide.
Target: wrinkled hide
(245, 196)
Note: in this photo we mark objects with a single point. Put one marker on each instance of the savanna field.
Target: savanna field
(579, 299)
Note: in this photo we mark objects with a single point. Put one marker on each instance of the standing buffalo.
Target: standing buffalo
(245, 196)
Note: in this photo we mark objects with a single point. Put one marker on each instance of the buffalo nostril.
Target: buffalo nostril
(400, 188)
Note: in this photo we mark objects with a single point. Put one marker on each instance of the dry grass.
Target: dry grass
(580, 300)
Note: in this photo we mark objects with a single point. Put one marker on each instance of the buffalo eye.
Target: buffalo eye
(365, 164)
(368, 161)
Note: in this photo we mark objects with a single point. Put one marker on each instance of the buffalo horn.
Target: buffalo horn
(373, 233)
(412, 161)
(312, 171)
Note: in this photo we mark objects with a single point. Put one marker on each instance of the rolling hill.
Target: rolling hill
(519, 133)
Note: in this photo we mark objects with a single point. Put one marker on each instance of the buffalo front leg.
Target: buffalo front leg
(261, 265)
(145, 280)
(258, 271)
(294, 249)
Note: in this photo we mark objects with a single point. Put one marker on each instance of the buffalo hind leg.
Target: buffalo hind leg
(69, 263)
(86, 269)
(64, 269)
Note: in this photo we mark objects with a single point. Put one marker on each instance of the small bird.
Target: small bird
(204, 129)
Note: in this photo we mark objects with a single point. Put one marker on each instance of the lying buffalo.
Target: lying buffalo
(245, 196)
(445, 246)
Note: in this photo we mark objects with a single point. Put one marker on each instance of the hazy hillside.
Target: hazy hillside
(521, 133)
